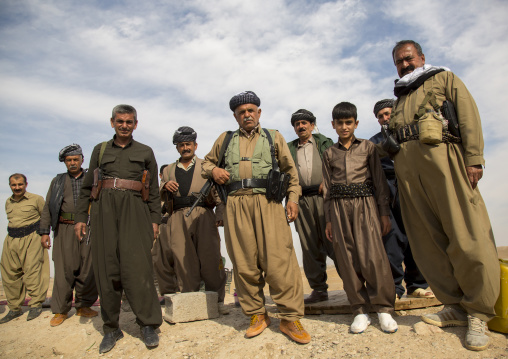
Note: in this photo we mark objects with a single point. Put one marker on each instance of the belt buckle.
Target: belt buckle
(114, 183)
(243, 186)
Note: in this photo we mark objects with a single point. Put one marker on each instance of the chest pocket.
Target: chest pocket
(137, 164)
(107, 161)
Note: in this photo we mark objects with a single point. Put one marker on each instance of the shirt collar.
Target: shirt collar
(254, 130)
(192, 163)
(127, 145)
(310, 140)
(25, 196)
(76, 178)
(355, 140)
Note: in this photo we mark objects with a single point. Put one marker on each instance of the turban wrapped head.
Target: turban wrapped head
(242, 98)
(184, 134)
(383, 104)
(302, 114)
(71, 150)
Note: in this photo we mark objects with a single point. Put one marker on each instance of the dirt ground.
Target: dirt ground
(224, 338)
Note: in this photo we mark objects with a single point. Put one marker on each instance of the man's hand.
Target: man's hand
(386, 225)
(474, 174)
(328, 231)
(219, 223)
(155, 230)
(291, 211)
(171, 186)
(80, 230)
(320, 190)
(46, 241)
(220, 175)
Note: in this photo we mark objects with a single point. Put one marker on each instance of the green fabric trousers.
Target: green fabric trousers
(73, 271)
(448, 227)
(122, 238)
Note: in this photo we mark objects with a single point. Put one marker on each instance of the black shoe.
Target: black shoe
(316, 296)
(11, 315)
(109, 341)
(149, 336)
(162, 301)
(34, 313)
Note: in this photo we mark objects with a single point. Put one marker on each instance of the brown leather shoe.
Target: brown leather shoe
(86, 312)
(258, 323)
(295, 331)
(316, 296)
(57, 319)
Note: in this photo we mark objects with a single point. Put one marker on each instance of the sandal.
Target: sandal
(422, 293)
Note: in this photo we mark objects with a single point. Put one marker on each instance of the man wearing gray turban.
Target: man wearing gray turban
(258, 238)
(395, 242)
(72, 258)
(194, 240)
(307, 151)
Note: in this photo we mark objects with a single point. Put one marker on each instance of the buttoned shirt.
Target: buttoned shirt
(357, 164)
(304, 156)
(25, 211)
(191, 164)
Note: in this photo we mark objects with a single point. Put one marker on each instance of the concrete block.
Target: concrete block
(188, 307)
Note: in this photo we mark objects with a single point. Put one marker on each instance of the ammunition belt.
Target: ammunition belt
(66, 218)
(246, 183)
(122, 184)
(308, 191)
(353, 190)
(411, 133)
(184, 202)
(23, 231)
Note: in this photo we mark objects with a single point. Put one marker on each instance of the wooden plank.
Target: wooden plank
(337, 303)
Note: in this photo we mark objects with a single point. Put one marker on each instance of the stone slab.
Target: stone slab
(189, 307)
(337, 303)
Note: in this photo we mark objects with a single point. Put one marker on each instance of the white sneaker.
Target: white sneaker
(388, 324)
(360, 323)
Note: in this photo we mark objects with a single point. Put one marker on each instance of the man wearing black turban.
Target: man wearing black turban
(72, 258)
(194, 240)
(258, 237)
(307, 151)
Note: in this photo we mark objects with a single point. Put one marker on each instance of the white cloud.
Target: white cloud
(64, 65)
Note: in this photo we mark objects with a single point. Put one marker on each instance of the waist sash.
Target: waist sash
(23, 231)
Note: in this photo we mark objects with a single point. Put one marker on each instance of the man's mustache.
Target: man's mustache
(186, 151)
(247, 119)
(301, 129)
(405, 70)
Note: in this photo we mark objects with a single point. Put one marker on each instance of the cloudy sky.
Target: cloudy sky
(65, 64)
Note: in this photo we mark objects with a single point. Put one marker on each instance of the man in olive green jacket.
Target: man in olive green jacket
(307, 151)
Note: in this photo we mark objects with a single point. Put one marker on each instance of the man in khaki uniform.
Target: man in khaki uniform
(307, 152)
(258, 239)
(445, 217)
(25, 263)
(194, 240)
(72, 257)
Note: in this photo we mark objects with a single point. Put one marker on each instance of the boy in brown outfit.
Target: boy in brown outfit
(356, 201)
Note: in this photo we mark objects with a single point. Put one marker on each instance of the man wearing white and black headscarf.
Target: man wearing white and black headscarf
(438, 168)
(72, 257)
(194, 240)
